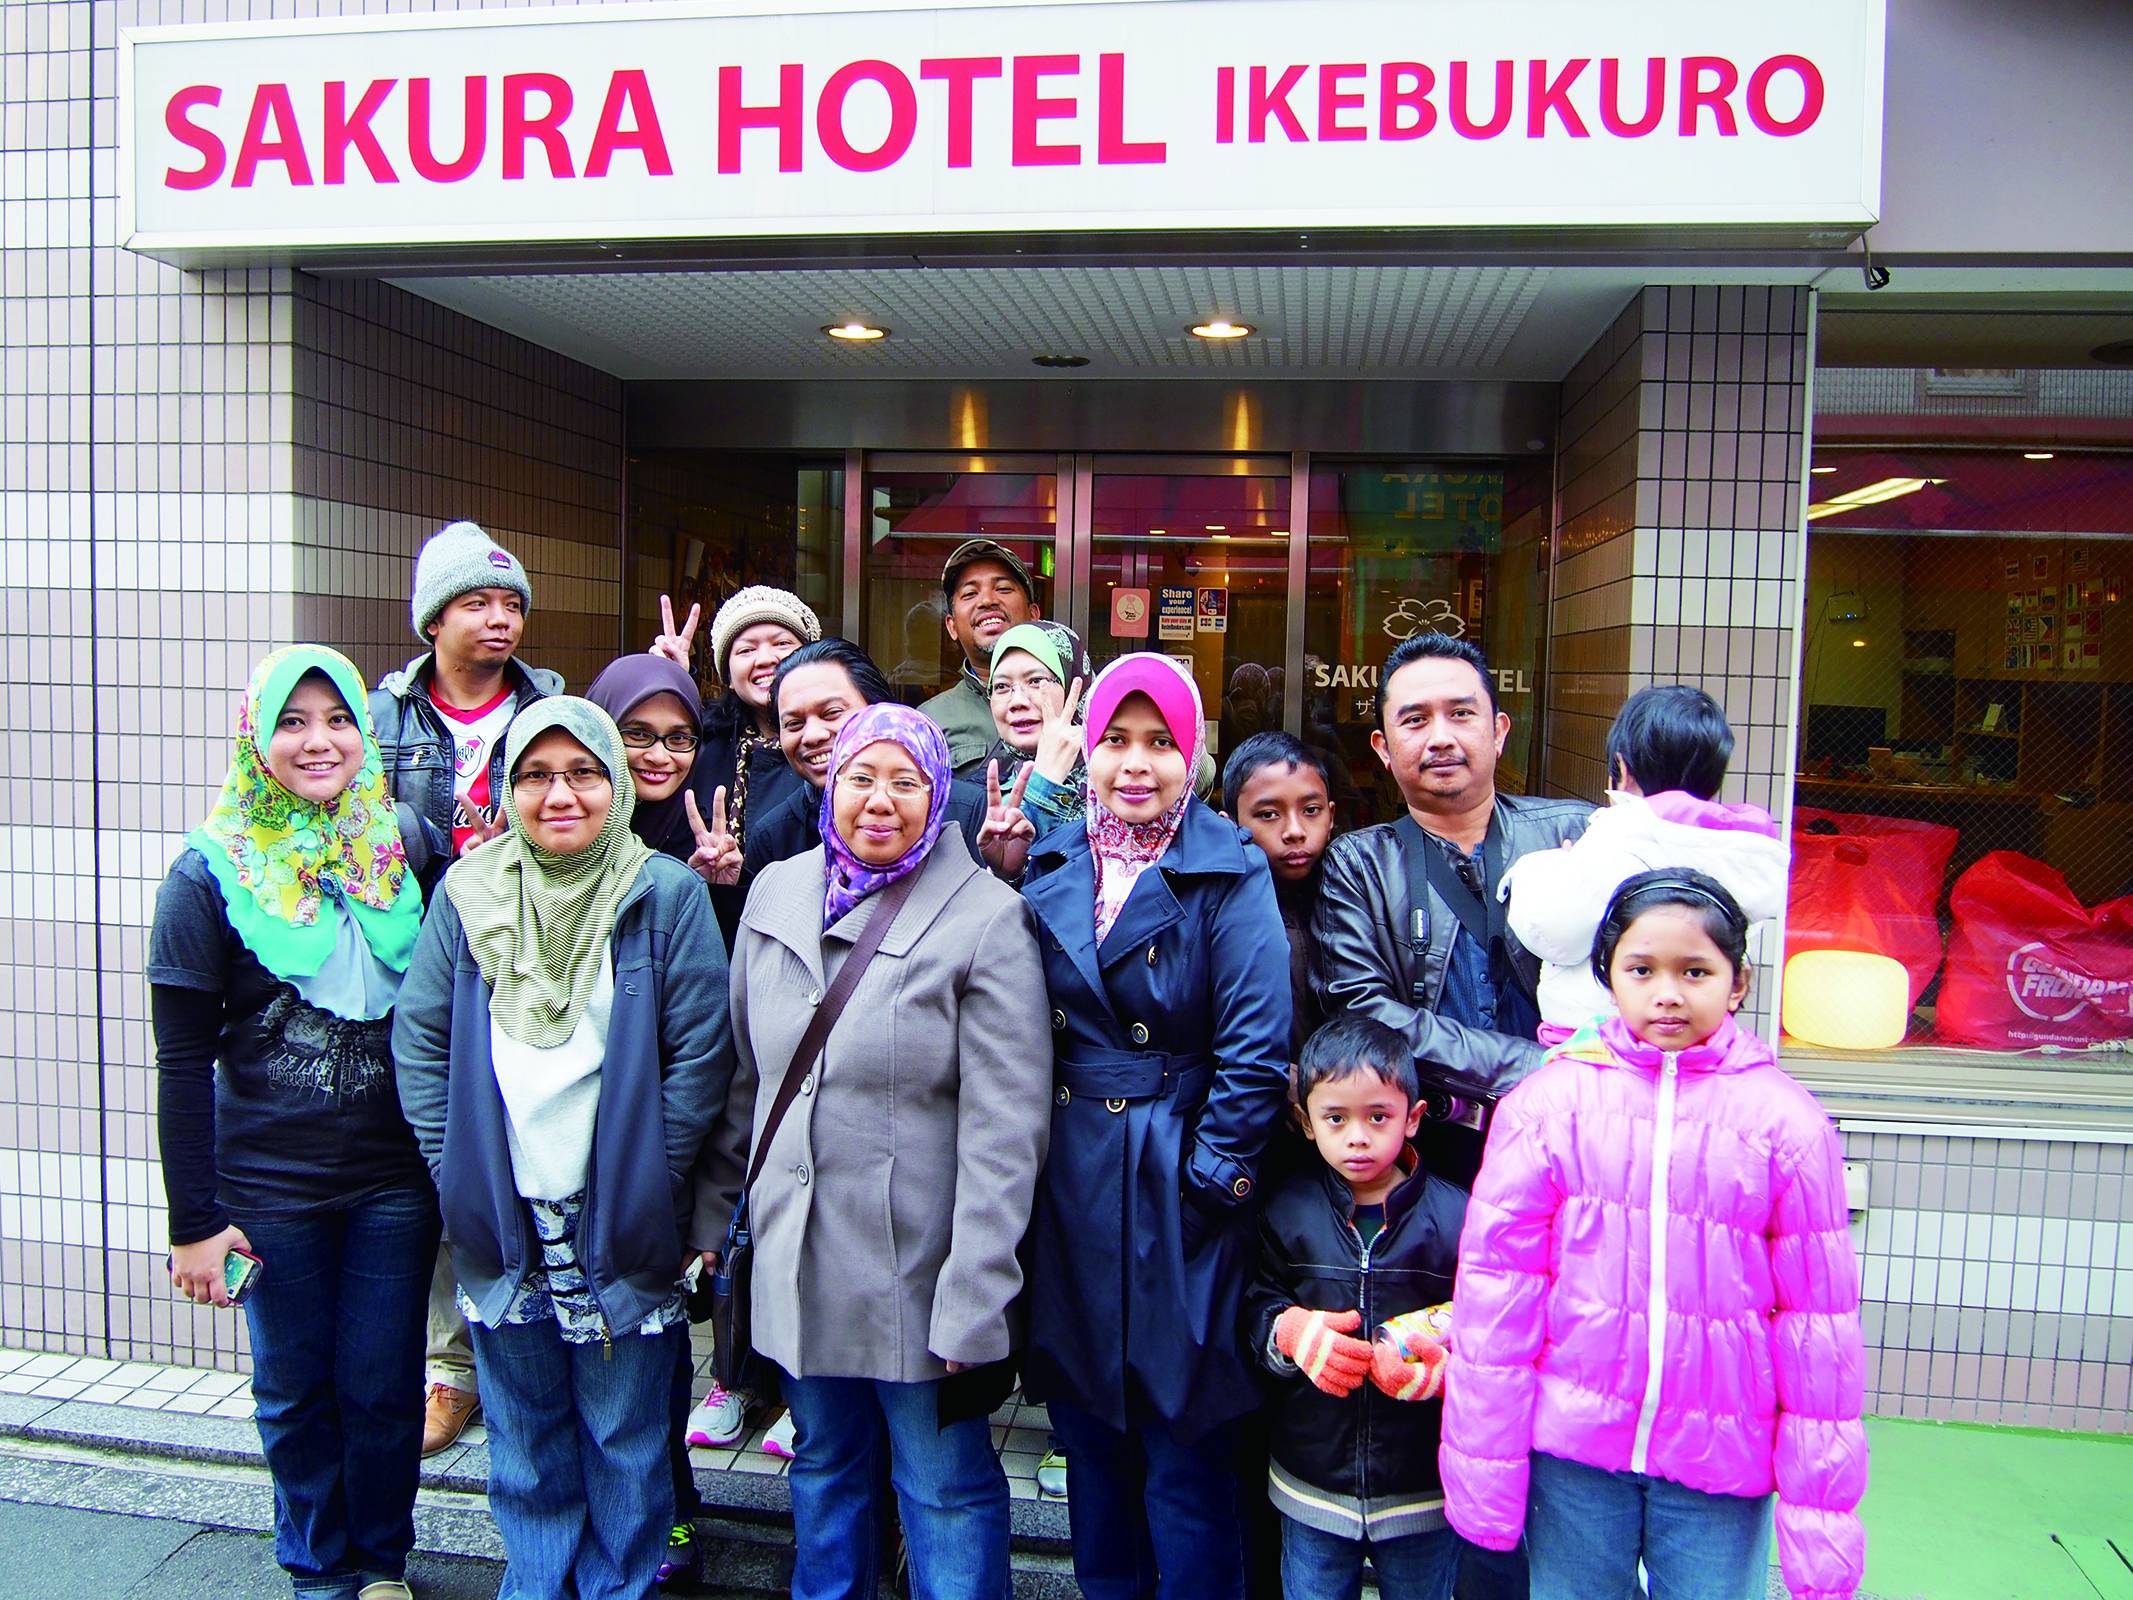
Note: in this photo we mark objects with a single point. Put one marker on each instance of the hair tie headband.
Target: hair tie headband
(1736, 919)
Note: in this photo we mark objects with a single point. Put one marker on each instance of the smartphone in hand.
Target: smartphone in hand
(240, 1272)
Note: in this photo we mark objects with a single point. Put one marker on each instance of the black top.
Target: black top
(266, 1105)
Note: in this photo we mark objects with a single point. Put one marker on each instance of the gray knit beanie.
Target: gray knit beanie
(459, 557)
(760, 603)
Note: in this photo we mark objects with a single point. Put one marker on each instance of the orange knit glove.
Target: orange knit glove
(1408, 1356)
(1320, 1343)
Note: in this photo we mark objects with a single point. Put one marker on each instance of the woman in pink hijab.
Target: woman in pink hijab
(1167, 973)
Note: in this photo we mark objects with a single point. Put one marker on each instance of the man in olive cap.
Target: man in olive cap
(988, 590)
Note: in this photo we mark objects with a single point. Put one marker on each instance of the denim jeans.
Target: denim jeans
(949, 1489)
(1586, 1530)
(1316, 1565)
(336, 1325)
(579, 1480)
(1148, 1513)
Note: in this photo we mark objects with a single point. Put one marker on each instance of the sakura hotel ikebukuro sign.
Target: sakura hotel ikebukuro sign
(643, 123)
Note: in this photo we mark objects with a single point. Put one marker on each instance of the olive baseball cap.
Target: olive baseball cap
(984, 550)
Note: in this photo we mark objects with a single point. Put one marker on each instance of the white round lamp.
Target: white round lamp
(1847, 999)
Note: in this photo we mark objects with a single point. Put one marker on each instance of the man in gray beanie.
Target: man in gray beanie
(440, 722)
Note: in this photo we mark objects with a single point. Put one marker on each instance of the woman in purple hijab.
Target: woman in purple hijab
(898, 1183)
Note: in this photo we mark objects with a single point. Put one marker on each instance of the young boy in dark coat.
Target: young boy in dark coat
(1355, 1254)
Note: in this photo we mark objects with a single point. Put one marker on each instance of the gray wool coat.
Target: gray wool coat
(890, 1208)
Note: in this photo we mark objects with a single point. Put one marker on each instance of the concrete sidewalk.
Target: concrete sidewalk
(166, 1460)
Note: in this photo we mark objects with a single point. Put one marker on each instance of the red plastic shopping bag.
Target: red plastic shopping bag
(1868, 883)
(2029, 964)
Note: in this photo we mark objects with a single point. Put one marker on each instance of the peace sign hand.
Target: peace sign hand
(1059, 746)
(676, 643)
(718, 853)
(483, 828)
(1008, 833)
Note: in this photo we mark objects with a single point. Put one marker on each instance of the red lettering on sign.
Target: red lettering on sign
(473, 131)
(903, 116)
(1332, 101)
(1031, 108)
(1274, 103)
(177, 120)
(345, 129)
(1404, 87)
(1697, 95)
(629, 90)
(1811, 96)
(271, 104)
(1462, 106)
(1225, 105)
(1611, 117)
(1545, 94)
(782, 114)
(1113, 149)
(519, 124)
(960, 73)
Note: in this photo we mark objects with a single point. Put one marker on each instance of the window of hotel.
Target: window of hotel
(1403, 547)
(702, 524)
(1964, 791)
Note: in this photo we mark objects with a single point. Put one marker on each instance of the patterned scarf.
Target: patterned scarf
(276, 857)
(1124, 850)
(850, 879)
(538, 922)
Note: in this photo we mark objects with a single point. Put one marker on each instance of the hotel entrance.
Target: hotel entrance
(1281, 580)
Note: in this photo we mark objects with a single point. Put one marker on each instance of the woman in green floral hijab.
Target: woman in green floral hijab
(281, 937)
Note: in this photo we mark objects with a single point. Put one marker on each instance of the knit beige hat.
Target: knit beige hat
(760, 603)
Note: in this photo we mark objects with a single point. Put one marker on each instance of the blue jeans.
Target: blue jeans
(1316, 1565)
(336, 1324)
(949, 1489)
(1586, 1530)
(579, 1480)
(1148, 1513)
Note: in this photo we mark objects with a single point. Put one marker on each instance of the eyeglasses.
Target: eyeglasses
(900, 788)
(681, 741)
(579, 779)
(1029, 683)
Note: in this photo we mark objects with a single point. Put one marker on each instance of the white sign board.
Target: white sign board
(680, 122)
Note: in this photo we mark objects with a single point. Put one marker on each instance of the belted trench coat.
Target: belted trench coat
(1170, 1070)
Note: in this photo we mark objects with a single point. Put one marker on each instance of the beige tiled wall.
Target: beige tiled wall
(198, 467)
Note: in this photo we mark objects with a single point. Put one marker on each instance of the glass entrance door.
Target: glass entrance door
(1190, 558)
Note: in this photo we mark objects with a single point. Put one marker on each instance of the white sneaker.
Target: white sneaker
(716, 1423)
(778, 1441)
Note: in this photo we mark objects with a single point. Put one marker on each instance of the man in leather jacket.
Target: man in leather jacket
(1457, 984)
(1453, 980)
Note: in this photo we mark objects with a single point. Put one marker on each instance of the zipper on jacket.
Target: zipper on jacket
(1655, 1303)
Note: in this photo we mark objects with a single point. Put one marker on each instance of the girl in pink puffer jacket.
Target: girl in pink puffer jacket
(1657, 1308)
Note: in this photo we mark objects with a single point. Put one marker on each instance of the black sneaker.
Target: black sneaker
(683, 1567)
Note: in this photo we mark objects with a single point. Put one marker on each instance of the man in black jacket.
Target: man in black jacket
(1409, 927)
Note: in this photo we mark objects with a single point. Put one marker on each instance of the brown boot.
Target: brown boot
(445, 1415)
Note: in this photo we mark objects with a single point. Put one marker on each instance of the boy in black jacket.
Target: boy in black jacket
(1363, 1239)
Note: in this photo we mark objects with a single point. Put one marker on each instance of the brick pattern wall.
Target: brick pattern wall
(197, 468)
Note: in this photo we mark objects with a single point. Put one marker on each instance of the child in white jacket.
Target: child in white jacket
(1666, 757)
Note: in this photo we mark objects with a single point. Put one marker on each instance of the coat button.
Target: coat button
(1058, 1019)
(800, 1174)
(807, 1084)
(814, 997)
(1140, 1033)
(1114, 1106)
(1151, 955)
(1241, 1188)
(1065, 1095)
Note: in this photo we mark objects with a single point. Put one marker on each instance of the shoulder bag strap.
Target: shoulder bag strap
(887, 904)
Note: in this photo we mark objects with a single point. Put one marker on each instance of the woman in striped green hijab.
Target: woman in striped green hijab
(562, 1048)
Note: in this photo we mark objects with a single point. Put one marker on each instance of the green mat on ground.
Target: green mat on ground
(1969, 1513)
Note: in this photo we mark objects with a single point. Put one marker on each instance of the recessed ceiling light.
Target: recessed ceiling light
(1221, 328)
(1155, 533)
(1218, 527)
(2036, 455)
(1218, 536)
(1821, 471)
(1060, 361)
(856, 332)
(1280, 533)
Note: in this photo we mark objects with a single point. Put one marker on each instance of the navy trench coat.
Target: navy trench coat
(1170, 1050)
